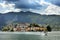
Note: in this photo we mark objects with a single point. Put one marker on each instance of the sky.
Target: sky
(43, 7)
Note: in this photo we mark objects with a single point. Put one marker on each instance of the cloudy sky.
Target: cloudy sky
(47, 7)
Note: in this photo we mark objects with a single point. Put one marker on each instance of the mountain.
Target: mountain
(28, 17)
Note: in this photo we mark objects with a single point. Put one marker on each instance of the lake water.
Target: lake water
(50, 36)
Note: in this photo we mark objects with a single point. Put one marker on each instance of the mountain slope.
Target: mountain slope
(28, 17)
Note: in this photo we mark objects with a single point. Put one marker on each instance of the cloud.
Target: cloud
(51, 9)
(23, 5)
(27, 4)
(37, 6)
(4, 8)
(55, 2)
(11, 0)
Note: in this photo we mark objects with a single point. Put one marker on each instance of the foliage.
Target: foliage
(33, 25)
(49, 28)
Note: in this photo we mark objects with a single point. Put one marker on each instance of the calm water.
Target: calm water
(28, 37)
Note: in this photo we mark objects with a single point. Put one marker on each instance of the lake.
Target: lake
(50, 36)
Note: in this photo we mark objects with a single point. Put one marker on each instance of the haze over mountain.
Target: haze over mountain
(28, 17)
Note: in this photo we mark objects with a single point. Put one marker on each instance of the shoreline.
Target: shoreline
(28, 33)
(53, 33)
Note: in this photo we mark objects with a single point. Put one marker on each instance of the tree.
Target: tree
(49, 28)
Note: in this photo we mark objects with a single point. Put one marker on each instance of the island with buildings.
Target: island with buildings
(26, 27)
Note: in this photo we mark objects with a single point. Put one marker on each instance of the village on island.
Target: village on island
(26, 27)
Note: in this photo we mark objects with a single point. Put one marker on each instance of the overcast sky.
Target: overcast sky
(38, 6)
